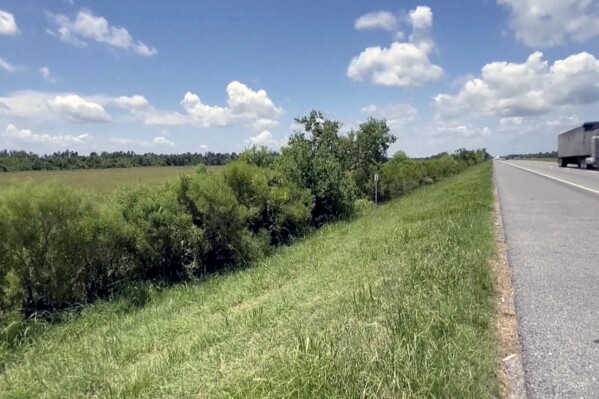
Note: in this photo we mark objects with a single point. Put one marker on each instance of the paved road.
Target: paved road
(552, 231)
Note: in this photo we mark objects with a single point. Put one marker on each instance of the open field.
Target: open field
(98, 180)
(395, 304)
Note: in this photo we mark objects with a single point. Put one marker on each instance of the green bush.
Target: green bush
(400, 175)
(274, 204)
(46, 235)
(159, 238)
(213, 208)
(259, 156)
(320, 172)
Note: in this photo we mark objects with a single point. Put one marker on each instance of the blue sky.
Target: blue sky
(199, 75)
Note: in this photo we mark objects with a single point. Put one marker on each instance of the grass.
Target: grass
(541, 159)
(98, 180)
(395, 304)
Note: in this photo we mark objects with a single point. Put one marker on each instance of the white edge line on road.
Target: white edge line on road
(552, 178)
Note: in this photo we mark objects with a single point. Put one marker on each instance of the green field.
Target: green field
(98, 180)
(395, 304)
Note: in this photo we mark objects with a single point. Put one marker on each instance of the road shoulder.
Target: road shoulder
(509, 365)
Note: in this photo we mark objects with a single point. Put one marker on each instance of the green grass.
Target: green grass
(98, 180)
(541, 159)
(395, 304)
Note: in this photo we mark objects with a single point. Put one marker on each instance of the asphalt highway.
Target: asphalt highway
(551, 222)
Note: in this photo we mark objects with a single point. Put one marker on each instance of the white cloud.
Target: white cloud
(264, 138)
(532, 88)
(163, 141)
(403, 63)
(131, 102)
(7, 66)
(379, 19)
(78, 110)
(27, 105)
(143, 145)
(87, 26)
(16, 135)
(244, 105)
(8, 26)
(45, 72)
(540, 23)
(449, 136)
(397, 115)
(421, 18)
(205, 115)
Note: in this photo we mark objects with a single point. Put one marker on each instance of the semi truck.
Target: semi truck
(579, 146)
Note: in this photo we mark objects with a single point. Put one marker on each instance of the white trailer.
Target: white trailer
(579, 146)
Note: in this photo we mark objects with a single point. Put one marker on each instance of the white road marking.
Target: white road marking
(553, 178)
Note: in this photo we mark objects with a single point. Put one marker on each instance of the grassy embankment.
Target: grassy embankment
(99, 180)
(397, 303)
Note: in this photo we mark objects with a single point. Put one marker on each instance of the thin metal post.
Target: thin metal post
(376, 189)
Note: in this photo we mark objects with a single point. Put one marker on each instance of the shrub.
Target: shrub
(259, 156)
(274, 204)
(322, 174)
(400, 175)
(46, 235)
(160, 239)
(213, 208)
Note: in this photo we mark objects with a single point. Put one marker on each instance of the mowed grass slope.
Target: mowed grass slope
(395, 304)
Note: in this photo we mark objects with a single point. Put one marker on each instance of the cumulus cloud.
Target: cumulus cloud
(78, 110)
(507, 90)
(86, 26)
(163, 141)
(14, 134)
(131, 102)
(377, 20)
(7, 66)
(27, 105)
(264, 138)
(45, 72)
(421, 18)
(8, 26)
(403, 63)
(205, 115)
(397, 115)
(246, 103)
(244, 106)
(542, 23)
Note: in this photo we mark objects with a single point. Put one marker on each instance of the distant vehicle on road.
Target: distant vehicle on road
(579, 146)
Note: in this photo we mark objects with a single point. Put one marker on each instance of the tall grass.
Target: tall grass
(100, 181)
(394, 304)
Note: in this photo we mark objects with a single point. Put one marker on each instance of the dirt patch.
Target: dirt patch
(506, 322)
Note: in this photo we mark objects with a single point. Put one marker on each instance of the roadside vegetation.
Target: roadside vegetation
(395, 303)
(62, 248)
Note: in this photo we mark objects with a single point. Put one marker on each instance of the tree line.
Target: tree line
(537, 155)
(60, 246)
(12, 161)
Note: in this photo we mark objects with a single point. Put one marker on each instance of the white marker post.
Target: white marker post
(376, 188)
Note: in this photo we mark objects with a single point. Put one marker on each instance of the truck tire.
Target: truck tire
(562, 163)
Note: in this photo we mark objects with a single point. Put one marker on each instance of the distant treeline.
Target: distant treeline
(549, 154)
(12, 161)
(61, 247)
